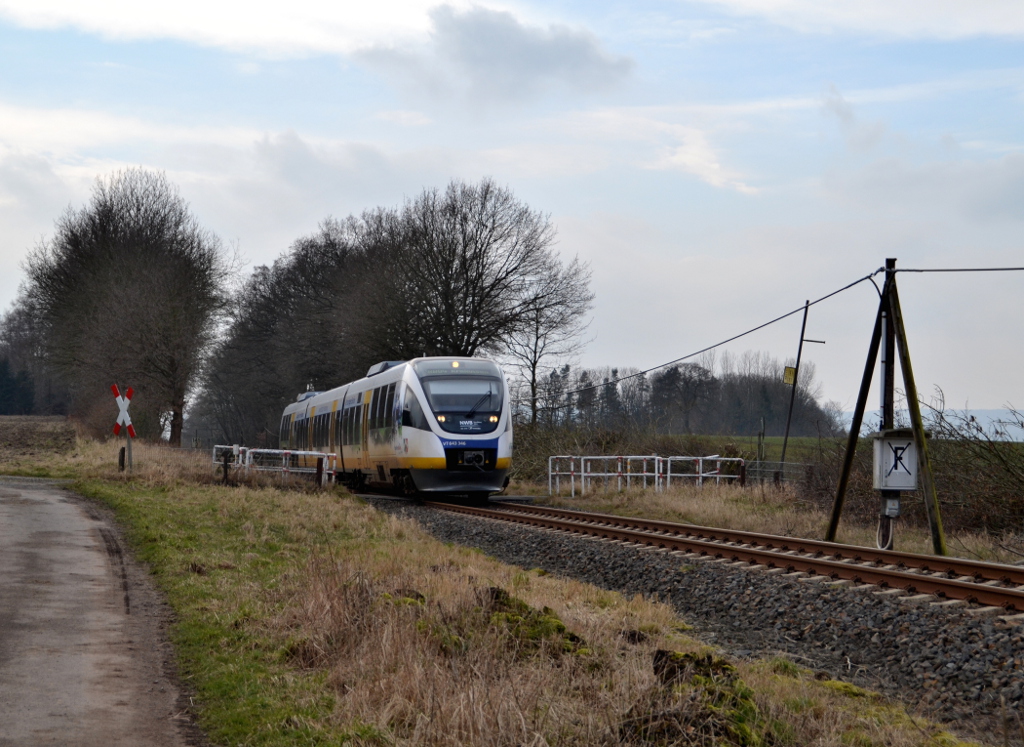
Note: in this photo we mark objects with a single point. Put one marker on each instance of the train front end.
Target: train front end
(460, 426)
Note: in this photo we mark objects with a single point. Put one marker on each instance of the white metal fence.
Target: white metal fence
(283, 461)
(642, 471)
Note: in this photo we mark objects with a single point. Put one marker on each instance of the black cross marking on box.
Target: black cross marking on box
(897, 459)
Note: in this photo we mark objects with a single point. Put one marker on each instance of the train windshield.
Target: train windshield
(465, 398)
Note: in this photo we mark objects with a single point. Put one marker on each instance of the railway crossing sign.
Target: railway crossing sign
(123, 418)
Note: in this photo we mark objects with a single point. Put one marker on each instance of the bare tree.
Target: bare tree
(128, 290)
(462, 267)
(551, 332)
(462, 271)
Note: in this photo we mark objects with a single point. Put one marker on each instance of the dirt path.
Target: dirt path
(84, 658)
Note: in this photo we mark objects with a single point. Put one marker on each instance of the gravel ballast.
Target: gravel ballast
(943, 662)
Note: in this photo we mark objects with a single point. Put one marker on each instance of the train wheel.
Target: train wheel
(404, 485)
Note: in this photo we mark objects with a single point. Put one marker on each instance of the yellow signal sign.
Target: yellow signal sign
(789, 376)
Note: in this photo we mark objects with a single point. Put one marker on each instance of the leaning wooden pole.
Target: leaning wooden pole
(931, 499)
(858, 419)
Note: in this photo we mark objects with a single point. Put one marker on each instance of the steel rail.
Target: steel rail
(885, 577)
(958, 567)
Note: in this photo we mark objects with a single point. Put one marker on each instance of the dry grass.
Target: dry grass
(307, 617)
(418, 656)
(417, 651)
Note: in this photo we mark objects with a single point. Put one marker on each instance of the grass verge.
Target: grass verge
(307, 617)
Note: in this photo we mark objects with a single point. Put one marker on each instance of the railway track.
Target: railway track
(990, 585)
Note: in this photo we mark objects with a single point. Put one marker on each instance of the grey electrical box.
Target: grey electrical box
(895, 465)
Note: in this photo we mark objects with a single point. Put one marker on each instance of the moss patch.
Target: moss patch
(527, 629)
(701, 702)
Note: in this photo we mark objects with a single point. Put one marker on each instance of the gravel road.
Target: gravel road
(84, 658)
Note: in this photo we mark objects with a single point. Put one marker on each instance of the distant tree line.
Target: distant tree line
(132, 290)
(728, 395)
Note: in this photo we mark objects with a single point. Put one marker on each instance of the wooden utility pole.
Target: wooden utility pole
(858, 419)
(796, 378)
(885, 522)
(931, 499)
(891, 316)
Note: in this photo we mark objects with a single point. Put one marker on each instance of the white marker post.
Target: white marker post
(124, 419)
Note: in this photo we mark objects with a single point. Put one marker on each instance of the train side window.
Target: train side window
(412, 415)
(389, 403)
(375, 407)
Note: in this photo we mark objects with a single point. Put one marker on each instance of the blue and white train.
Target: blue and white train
(429, 425)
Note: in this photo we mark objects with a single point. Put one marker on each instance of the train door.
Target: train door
(332, 446)
(339, 429)
(364, 431)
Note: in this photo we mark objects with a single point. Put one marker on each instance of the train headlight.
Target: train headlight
(441, 418)
(455, 364)
(493, 418)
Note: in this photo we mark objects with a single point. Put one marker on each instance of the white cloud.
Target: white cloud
(274, 28)
(649, 138)
(859, 135)
(942, 19)
(69, 130)
(481, 55)
(694, 155)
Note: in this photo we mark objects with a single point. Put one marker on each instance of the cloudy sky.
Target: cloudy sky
(717, 162)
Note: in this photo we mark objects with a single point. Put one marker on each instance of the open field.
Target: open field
(306, 617)
(28, 435)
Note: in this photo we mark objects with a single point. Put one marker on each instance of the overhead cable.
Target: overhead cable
(961, 269)
(719, 344)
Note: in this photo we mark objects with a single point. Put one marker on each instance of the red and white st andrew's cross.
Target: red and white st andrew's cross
(123, 418)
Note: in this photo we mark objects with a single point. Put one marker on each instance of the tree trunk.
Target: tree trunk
(177, 421)
(533, 395)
